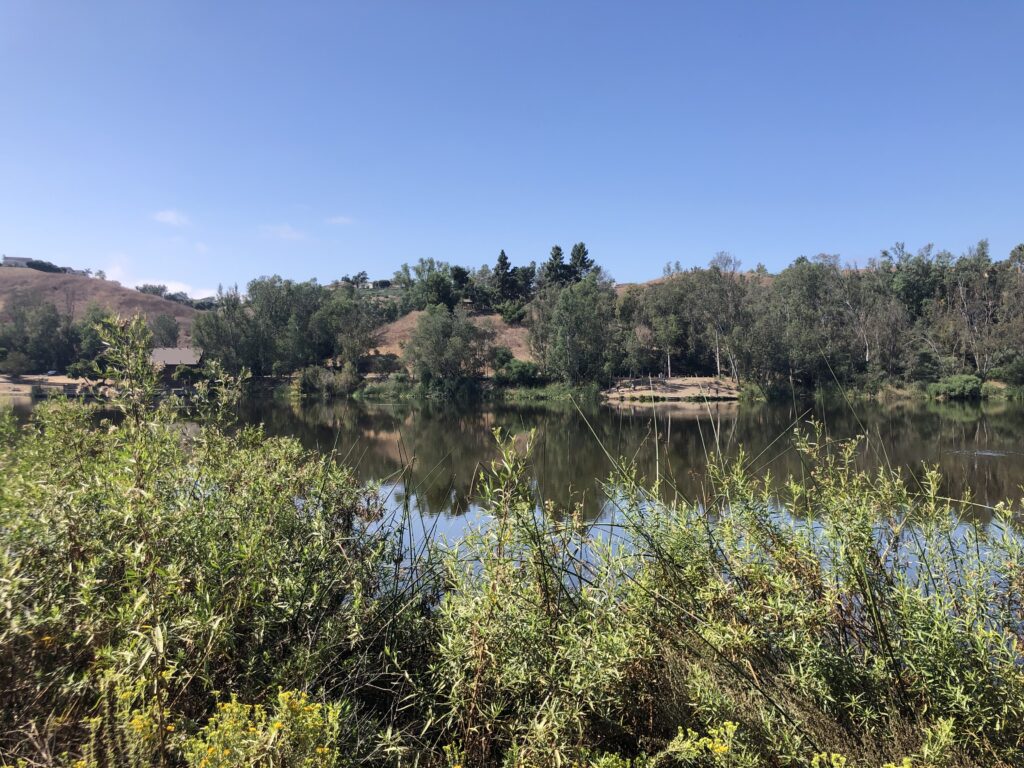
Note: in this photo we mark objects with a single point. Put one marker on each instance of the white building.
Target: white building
(16, 261)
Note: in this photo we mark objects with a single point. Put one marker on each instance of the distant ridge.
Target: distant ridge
(72, 294)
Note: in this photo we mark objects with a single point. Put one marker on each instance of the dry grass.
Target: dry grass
(72, 294)
(685, 388)
(395, 335)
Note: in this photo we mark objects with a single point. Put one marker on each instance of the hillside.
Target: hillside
(72, 294)
(516, 338)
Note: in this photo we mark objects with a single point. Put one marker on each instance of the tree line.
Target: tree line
(279, 326)
(905, 316)
(35, 336)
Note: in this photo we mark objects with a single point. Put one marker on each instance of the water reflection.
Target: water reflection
(430, 454)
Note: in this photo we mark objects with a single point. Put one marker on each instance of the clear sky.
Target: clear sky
(199, 143)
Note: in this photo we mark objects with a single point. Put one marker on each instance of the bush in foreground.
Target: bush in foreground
(153, 565)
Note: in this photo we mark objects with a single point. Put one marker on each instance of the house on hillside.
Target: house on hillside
(170, 359)
(16, 261)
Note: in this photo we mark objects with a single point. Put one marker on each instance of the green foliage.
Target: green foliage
(35, 329)
(152, 289)
(512, 312)
(518, 373)
(527, 656)
(159, 564)
(280, 326)
(499, 356)
(959, 387)
(296, 732)
(316, 381)
(866, 626)
(165, 330)
(43, 266)
(447, 349)
(571, 330)
(176, 590)
(395, 388)
(16, 364)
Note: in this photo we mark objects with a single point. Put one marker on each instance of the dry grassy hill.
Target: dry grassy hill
(72, 294)
(395, 335)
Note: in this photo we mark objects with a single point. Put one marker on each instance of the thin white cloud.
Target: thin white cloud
(171, 217)
(340, 221)
(283, 232)
(176, 286)
(202, 248)
(118, 269)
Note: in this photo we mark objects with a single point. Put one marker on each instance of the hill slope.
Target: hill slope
(72, 294)
(516, 338)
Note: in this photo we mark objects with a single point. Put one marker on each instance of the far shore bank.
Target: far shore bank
(678, 389)
(30, 384)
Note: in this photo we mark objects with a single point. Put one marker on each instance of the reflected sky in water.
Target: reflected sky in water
(428, 456)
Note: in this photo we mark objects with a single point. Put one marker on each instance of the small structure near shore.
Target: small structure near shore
(170, 359)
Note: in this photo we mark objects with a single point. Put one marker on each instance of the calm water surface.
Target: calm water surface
(428, 456)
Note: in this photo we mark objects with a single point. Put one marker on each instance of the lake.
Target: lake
(428, 456)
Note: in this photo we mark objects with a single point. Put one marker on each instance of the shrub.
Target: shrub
(1012, 372)
(295, 732)
(167, 589)
(532, 623)
(16, 363)
(499, 357)
(959, 387)
(149, 568)
(994, 389)
(518, 373)
(512, 312)
(44, 266)
(883, 631)
(315, 381)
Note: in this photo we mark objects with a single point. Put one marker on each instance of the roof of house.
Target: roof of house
(176, 356)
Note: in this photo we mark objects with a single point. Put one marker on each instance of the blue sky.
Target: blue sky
(198, 143)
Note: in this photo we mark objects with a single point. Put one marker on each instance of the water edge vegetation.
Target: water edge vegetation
(925, 321)
(176, 590)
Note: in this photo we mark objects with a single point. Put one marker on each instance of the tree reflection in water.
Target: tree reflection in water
(430, 454)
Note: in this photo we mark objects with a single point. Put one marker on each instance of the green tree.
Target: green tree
(37, 329)
(553, 271)
(153, 290)
(89, 340)
(165, 329)
(447, 348)
(16, 363)
(228, 333)
(347, 326)
(504, 289)
(572, 330)
(580, 264)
